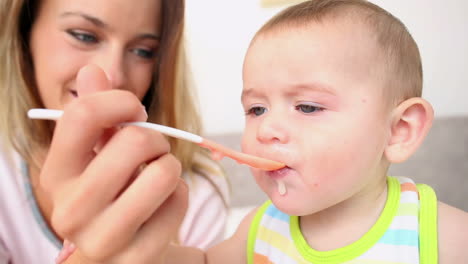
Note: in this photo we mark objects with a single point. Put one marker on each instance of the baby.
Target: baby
(332, 88)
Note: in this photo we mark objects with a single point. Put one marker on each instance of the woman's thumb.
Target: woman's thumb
(91, 79)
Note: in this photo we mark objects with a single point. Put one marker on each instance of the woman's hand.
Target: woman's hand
(117, 193)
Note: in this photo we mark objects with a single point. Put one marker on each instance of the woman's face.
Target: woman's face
(120, 36)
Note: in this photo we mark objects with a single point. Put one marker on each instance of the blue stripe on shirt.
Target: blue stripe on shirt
(272, 211)
(400, 237)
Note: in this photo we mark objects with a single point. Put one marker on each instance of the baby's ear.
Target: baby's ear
(411, 120)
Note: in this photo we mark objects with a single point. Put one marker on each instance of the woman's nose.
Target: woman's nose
(273, 128)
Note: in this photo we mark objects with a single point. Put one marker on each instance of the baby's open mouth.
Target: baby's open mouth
(279, 173)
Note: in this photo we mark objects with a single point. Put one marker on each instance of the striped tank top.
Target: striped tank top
(405, 233)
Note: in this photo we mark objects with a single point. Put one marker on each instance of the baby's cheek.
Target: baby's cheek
(266, 184)
(244, 144)
(249, 138)
(260, 180)
(324, 173)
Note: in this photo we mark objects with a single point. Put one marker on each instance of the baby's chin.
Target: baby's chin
(291, 208)
(289, 204)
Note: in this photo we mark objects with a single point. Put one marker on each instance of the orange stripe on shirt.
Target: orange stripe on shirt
(407, 186)
(261, 259)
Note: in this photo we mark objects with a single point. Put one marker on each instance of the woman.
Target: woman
(45, 49)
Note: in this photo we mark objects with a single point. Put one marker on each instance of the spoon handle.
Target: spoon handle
(51, 114)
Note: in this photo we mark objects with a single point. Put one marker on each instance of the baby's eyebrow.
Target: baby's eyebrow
(313, 87)
(295, 89)
(247, 92)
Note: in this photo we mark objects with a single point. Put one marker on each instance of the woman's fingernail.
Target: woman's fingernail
(67, 250)
(144, 111)
(60, 258)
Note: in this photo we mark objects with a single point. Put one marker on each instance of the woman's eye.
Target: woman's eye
(83, 37)
(256, 110)
(307, 109)
(144, 53)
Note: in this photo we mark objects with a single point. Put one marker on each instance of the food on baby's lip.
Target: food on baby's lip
(281, 187)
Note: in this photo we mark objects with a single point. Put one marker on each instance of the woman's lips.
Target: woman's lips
(280, 173)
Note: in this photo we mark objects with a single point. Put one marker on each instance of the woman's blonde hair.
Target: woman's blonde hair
(169, 101)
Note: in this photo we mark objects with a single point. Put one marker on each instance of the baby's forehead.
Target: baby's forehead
(347, 41)
(350, 25)
(338, 50)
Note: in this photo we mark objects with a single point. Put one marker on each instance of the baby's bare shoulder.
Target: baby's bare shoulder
(453, 234)
(234, 249)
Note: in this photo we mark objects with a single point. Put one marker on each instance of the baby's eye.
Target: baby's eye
(83, 36)
(307, 108)
(256, 110)
(144, 53)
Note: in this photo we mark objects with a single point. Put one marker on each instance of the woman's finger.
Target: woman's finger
(67, 250)
(159, 230)
(91, 79)
(116, 226)
(163, 225)
(108, 174)
(80, 128)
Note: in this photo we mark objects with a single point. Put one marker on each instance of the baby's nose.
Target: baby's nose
(273, 129)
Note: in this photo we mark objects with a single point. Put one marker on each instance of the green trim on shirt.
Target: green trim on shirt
(428, 248)
(357, 248)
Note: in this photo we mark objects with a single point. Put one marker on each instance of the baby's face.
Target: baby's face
(313, 100)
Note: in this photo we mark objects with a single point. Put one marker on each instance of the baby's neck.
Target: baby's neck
(346, 222)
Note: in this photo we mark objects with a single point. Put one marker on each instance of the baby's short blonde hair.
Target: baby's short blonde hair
(402, 68)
